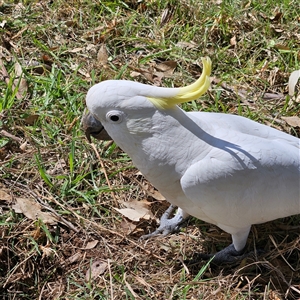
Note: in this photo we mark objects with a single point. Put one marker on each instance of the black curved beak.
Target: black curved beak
(93, 128)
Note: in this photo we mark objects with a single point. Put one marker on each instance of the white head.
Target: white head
(118, 105)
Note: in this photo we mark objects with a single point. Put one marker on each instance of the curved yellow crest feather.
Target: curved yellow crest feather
(187, 93)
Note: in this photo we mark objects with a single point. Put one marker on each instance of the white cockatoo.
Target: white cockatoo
(221, 168)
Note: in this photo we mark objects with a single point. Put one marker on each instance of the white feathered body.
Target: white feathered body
(221, 168)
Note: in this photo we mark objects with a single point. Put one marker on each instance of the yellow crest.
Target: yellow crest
(187, 93)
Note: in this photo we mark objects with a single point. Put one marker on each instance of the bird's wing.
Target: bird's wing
(245, 182)
(240, 124)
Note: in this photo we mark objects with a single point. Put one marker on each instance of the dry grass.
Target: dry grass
(52, 52)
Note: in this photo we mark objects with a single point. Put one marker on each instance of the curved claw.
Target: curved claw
(167, 225)
(227, 255)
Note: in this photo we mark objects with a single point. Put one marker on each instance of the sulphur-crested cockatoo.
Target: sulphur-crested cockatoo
(224, 169)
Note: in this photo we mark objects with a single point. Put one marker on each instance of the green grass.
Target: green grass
(57, 44)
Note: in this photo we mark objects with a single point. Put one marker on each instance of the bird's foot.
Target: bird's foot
(227, 255)
(167, 225)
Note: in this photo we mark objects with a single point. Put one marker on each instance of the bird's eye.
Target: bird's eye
(114, 116)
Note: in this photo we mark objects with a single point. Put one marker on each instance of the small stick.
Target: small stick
(11, 136)
(110, 280)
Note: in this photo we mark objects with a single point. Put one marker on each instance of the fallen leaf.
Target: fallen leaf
(2, 24)
(5, 196)
(271, 96)
(167, 66)
(20, 81)
(97, 268)
(23, 146)
(75, 257)
(166, 16)
(131, 213)
(30, 120)
(91, 245)
(135, 74)
(276, 29)
(102, 55)
(292, 121)
(293, 79)
(136, 210)
(186, 45)
(32, 210)
(147, 74)
(277, 17)
(75, 50)
(80, 70)
(18, 70)
(70, 23)
(233, 41)
(281, 47)
(156, 195)
(127, 227)
(47, 251)
(46, 59)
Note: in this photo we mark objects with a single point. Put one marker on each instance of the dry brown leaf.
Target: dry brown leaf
(186, 45)
(97, 268)
(47, 251)
(2, 24)
(167, 67)
(233, 41)
(23, 146)
(20, 81)
(80, 70)
(23, 86)
(136, 210)
(135, 74)
(75, 50)
(75, 257)
(127, 227)
(156, 195)
(276, 29)
(147, 74)
(30, 120)
(165, 17)
(18, 70)
(271, 96)
(277, 17)
(91, 245)
(281, 47)
(5, 196)
(102, 55)
(132, 214)
(32, 210)
(292, 121)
